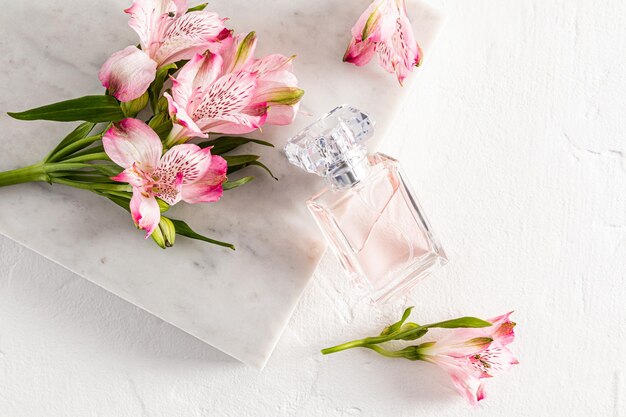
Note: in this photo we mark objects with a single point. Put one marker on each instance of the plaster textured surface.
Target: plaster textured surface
(515, 144)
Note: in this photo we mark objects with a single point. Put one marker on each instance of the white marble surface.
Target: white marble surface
(227, 299)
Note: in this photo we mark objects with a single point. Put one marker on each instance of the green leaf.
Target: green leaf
(80, 132)
(122, 202)
(157, 85)
(225, 144)
(183, 229)
(88, 151)
(94, 109)
(472, 322)
(396, 326)
(264, 167)
(161, 124)
(197, 8)
(235, 160)
(229, 185)
(76, 146)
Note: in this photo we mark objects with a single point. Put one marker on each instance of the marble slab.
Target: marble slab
(238, 302)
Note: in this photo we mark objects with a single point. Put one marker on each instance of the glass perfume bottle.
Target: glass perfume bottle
(368, 213)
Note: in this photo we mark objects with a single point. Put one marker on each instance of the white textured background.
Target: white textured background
(516, 144)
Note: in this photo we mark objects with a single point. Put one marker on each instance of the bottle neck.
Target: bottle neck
(350, 174)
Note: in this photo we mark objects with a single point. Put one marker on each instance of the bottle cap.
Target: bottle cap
(334, 147)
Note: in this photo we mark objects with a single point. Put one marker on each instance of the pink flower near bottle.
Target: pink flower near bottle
(385, 30)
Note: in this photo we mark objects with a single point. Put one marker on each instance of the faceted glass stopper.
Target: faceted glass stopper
(333, 142)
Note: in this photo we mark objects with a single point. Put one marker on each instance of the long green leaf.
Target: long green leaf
(76, 146)
(93, 149)
(183, 229)
(264, 167)
(225, 144)
(460, 322)
(94, 109)
(80, 132)
(229, 185)
(235, 160)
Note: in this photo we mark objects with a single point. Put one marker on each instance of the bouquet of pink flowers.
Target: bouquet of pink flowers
(145, 144)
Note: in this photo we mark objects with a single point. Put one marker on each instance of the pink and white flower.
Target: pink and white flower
(233, 92)
(385, 29)
(471, 355)
(167, 34)
(185, 172)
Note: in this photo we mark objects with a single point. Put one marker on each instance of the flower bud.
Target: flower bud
(165, 234)
(131, 108)
(163, 206)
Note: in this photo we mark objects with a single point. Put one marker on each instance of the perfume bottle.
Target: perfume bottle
(368, 213)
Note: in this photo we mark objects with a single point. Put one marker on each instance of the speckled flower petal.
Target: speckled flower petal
(207, 189)
(181, 165)
(149, 18)
(188, 35)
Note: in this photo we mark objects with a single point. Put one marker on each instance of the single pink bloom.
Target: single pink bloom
(471, 355)
(167, 34)
(385, 29)
(232, 93)
(185, 172)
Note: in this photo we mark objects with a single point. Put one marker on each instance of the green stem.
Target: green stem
(99, 156)
(76, 146)
(91, 187)
(31, 173)
(368, 341)
(387, 353)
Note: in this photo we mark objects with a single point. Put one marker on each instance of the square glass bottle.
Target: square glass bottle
(368, 213)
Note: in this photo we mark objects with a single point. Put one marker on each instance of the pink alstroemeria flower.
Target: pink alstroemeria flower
(471, 355)
(167, 34)
(185, 172)
(385, 29)
(232, 93)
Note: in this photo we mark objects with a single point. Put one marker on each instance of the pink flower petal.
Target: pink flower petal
(233, 124)
(270, 63)
(145, 211)
(359, 52)
(385, 29)
(149, 18)
(130, 142)
(127, 74)
(188, 35)
(181, 165)
(240, 54)
(281, 115)
(130, 176)
(368, 21)
(195, 78)
(188, 127)
(224, 101)
(207, 189)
